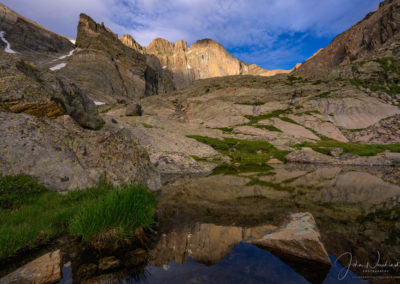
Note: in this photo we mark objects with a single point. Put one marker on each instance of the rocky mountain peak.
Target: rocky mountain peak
(160, 45)
(206, 42)
(129, 41)
(378, 29)
(181, 45)
(93, 35)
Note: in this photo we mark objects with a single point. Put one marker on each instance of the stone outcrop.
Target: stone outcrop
(109, 70)
(32, 41)
(43, 270)
(63, 156)
(308, 156)
(203, 59)
(386, 131)
(378, 29)
(129, 41)
(25, 88)
(299, 238)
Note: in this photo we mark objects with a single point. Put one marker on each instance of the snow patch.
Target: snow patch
(58, 66)
(164, 67)
(99, 103)
(73, 41)
(65, 56)
(8, 46)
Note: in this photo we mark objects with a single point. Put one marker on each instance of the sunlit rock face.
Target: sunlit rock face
(110, 71)
(205, 58)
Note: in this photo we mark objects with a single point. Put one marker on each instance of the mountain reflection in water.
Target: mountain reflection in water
(204, 223)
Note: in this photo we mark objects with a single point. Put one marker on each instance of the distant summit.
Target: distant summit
(205, 58)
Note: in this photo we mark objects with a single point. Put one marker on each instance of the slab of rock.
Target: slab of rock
(309, 156)
(290, 128)
(64, 156)
(355, 113)
(300, 238)
(45, 269)
(325, 128)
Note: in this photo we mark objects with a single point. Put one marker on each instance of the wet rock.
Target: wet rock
(135, 257)
(87, 270)
(45, 269)
(133, 110)
(107, 263)
(300, 238)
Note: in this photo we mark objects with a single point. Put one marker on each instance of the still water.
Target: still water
(205, 223)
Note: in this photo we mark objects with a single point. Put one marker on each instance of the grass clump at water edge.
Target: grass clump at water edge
(37, 216)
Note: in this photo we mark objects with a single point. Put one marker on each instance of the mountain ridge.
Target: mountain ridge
(205, 58)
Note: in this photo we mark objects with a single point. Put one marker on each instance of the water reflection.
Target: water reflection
(204, 223)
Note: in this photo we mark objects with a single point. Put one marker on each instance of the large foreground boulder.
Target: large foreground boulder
(64, 156)
(299, 238)
(43, 270)
(25, 88)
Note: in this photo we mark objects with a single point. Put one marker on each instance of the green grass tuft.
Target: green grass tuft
(18, 190)
(38, 214)
(124, 209)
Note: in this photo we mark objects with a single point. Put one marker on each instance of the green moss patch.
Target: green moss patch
(275, 113)
(268, 127)
(147, 125)
(243, 151)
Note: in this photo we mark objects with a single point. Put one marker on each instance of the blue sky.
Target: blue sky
(271, 33)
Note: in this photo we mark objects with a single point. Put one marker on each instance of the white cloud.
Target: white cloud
(252, 24)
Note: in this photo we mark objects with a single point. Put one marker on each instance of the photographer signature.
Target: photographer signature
(378, 266)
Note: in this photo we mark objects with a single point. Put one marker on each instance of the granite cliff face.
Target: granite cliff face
(203, 59)
(109, 70)
(30, 40)
(129, 41)
(378, 31)
(37, 102)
